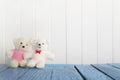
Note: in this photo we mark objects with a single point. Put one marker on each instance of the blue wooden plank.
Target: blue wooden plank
(65, 72)
(3, 67)
(108, 70)
(90, 73)
(37, 74)
(116, 65)
(12, 73)
(29, 74)
(59, 65)
(52, 72)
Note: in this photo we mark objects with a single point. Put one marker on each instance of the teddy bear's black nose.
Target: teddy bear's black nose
(39, 44)
(23, 46)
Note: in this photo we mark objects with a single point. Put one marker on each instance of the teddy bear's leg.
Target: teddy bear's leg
(23, 63)
(41, 64)
(32, 63)
(14, 63)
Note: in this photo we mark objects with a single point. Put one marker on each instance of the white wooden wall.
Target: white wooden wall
(79, 31)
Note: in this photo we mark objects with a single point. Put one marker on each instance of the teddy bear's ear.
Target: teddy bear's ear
(47, 42)
(15, 40)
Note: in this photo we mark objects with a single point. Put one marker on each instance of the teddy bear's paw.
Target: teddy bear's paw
(27, 55)
(14, 64)
(52, 57)
(40, 65)
(31, 64)
(23, 63)
(9, 54)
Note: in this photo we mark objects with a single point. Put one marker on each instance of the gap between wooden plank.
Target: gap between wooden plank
(80, 73)
(51, 77)
(102, 71)
(113, 66)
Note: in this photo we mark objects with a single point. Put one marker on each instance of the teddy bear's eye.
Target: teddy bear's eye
(42, 43)
(21, 43)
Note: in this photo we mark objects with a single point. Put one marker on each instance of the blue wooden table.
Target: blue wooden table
(62, 72)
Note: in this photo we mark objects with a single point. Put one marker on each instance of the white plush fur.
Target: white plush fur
(38, 60)
(27, 55)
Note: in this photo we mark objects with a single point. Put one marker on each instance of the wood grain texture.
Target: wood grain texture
(90, 73)
(109, 70)
(62, 72)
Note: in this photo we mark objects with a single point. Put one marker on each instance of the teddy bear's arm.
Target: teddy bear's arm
(27, 55)
(9, 54)
(49, 55)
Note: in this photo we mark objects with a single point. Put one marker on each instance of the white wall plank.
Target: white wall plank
(89, 31)
(58, 30)
(27, 27)
(12, 19)
(42, 18)
(74, 31)
(104, 23)
(2, 25)
(116, 31)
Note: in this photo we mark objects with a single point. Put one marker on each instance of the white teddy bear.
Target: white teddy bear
(41, 53)
(21, 53)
